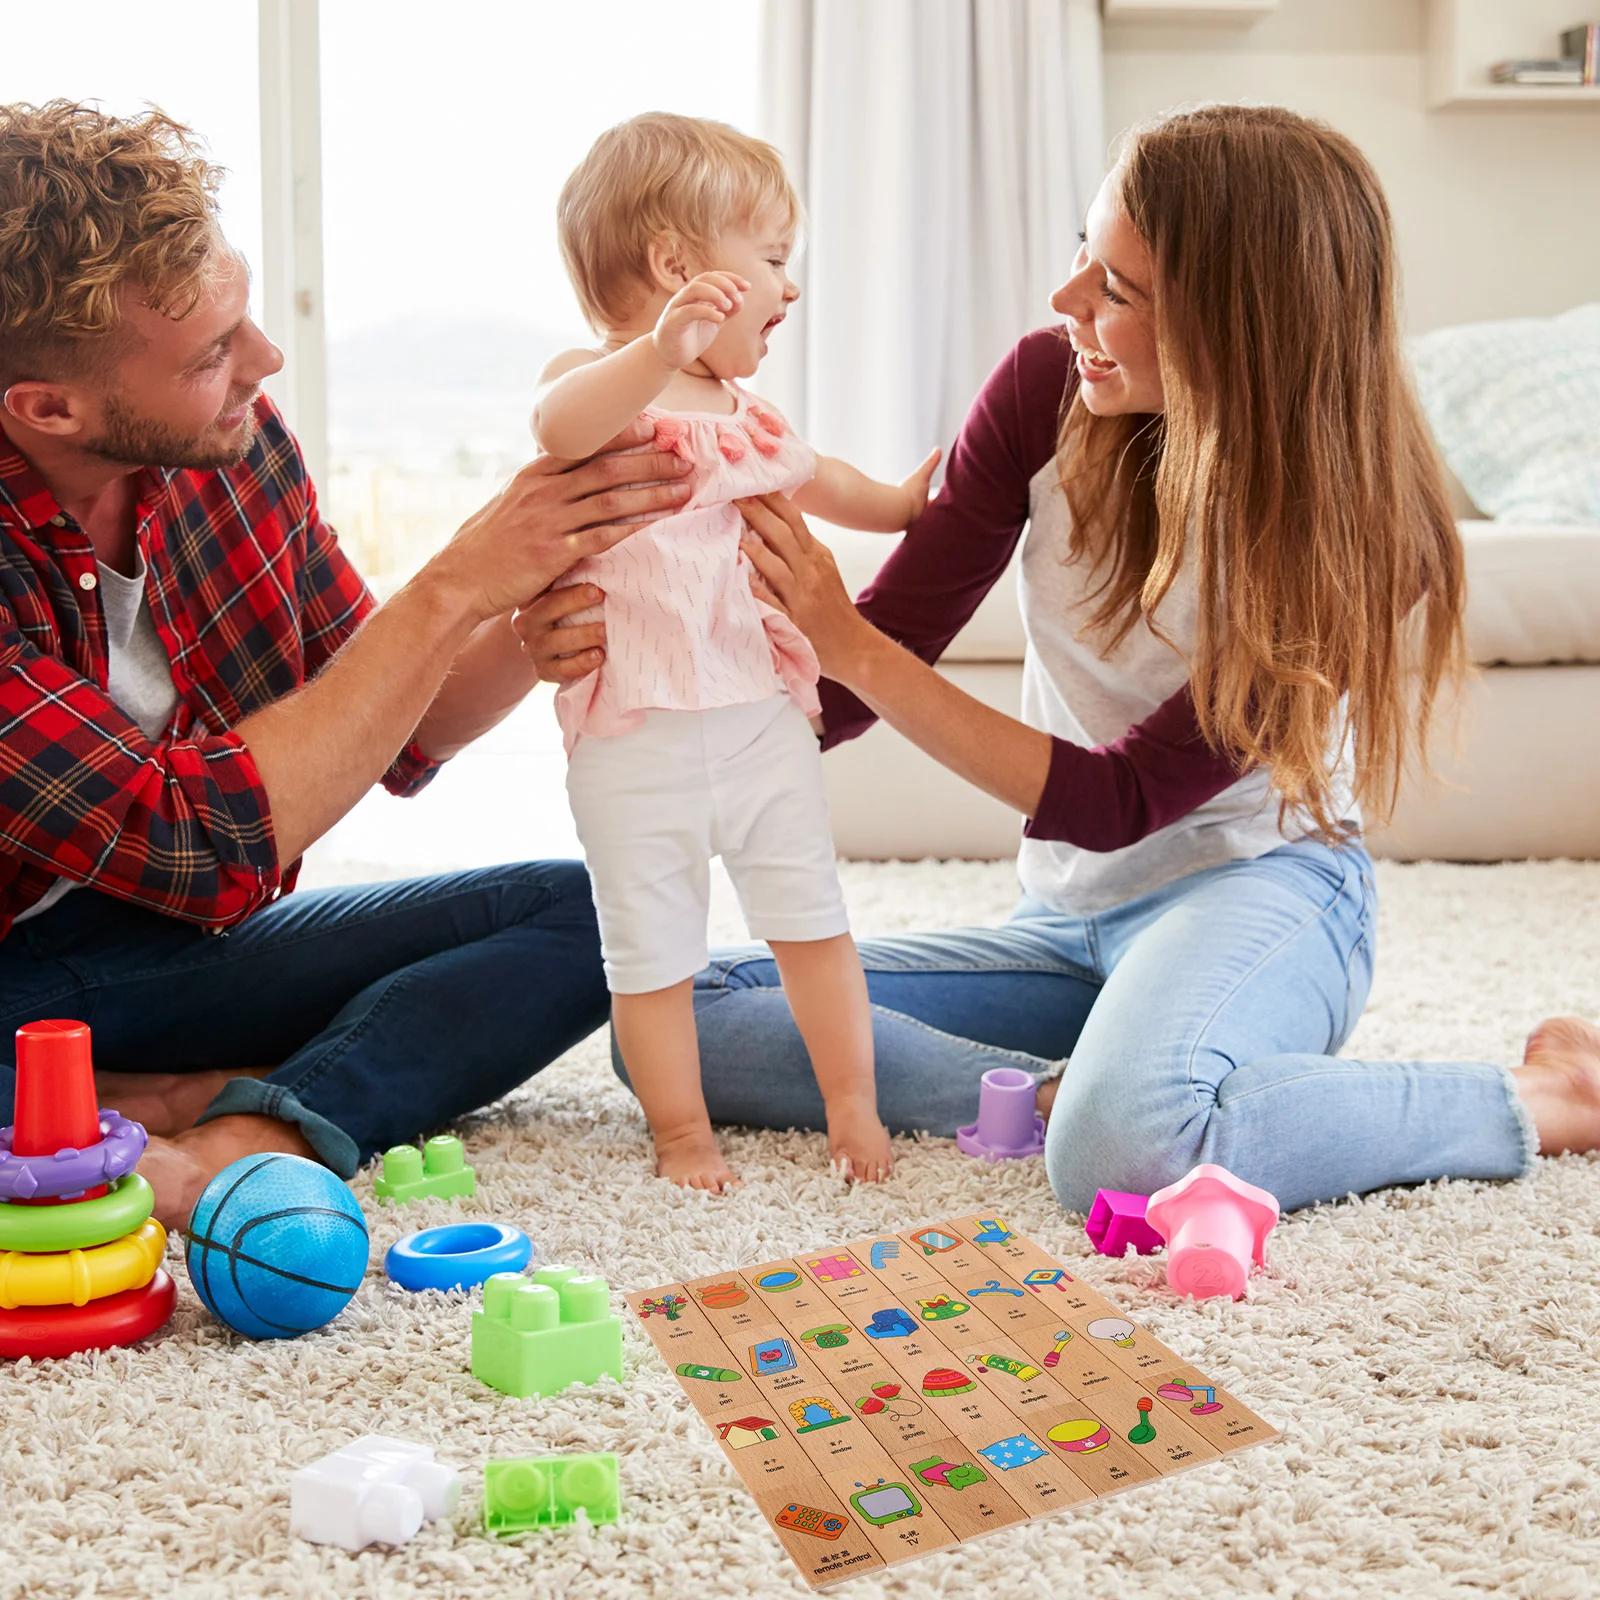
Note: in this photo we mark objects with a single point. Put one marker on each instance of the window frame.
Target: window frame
(291, 219)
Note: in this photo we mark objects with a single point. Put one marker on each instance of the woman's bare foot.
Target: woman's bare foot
(165, 1103)
(693, 1161)
(180, 1167)
(858, 1143)
(1559, 1081)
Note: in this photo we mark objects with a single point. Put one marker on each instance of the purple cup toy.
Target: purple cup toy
(1008, 1127)
(69, 1173)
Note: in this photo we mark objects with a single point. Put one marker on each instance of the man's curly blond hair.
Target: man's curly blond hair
(656, 175)
(88, 203)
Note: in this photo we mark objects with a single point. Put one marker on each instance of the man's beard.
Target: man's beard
(135, 441)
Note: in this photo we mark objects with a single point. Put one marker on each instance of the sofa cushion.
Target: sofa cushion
(1533, 594)
(1515, 408)
(995, 632)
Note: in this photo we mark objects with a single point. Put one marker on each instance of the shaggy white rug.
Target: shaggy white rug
(1429, 1354)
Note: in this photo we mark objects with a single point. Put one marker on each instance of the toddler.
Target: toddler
(693, 738)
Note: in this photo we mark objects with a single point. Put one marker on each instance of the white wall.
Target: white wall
(1496, 210)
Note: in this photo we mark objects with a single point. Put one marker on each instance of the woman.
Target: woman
(1242, 588)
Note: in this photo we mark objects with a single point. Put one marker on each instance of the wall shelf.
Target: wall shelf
(1466, 37)
(1226, 11)
(1524, 95)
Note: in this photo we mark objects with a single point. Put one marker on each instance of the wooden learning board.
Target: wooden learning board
(905, 1392)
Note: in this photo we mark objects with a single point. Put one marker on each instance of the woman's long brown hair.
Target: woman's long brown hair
(1292, 465)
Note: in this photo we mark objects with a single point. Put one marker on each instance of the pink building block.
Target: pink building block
(1117, 1220)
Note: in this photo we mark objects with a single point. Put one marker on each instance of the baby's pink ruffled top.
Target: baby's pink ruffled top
(684, 632)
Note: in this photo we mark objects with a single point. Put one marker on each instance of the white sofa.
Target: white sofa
(1519, 777)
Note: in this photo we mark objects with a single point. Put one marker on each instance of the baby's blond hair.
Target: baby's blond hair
(659, 175)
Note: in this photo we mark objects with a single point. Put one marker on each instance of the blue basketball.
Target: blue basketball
(276, 1246)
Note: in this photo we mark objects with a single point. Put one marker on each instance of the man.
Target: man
(195, 685)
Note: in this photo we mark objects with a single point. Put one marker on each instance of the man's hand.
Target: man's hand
(552, 514)
(438, 662)
(562, 654)
(691, 318)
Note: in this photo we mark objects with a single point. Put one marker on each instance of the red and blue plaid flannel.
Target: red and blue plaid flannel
(252, 596)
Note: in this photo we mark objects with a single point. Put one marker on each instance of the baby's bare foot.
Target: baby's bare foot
(1559, 1081)
(858, 1143)
(693, 1161)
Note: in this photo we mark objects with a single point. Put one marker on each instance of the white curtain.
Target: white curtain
(947, 150)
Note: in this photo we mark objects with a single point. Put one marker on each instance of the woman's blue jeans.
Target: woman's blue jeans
(1200, 1021)
(384, 1009)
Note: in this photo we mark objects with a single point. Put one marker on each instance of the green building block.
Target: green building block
(537, 1335)
(438, 1170)
(549, 1492)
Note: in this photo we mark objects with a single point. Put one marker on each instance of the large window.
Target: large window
(199, 65)
(447, 133)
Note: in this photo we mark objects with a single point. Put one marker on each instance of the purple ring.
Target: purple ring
(70, 1173)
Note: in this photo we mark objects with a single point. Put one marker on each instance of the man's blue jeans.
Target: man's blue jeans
(1200, 1020)
(385, 1009)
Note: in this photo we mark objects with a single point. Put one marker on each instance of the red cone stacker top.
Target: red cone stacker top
(56, 1104)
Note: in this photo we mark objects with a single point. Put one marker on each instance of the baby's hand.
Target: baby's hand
(692, 316)
(915, 488)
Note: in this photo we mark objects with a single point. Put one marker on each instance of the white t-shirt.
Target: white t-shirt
(1073, 691)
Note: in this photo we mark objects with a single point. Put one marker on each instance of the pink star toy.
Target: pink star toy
(1215, 1226)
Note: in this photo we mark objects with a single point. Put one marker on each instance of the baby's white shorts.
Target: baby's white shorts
(655, 805)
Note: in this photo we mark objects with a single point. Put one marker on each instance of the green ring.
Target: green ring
(78, 1224)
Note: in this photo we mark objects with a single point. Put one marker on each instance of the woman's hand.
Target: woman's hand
(803, 579)
(1002, 756)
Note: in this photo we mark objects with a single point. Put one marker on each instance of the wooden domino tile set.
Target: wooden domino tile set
(906, 1392)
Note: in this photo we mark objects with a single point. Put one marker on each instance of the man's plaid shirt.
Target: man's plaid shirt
(251, 596)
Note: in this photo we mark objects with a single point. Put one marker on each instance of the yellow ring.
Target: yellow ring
(75, 1277)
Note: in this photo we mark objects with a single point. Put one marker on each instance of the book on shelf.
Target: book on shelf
(1583, 44)
(1564, 72)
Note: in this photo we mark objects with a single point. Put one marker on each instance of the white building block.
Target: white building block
(375, 1491)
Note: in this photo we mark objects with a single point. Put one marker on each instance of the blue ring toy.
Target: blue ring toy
(457, 1257)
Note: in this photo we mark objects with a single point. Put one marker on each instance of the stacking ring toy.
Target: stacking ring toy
(457, 1257)
(62, 1331)
(76, 1277)
(70, 1172)
(80, 1225)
